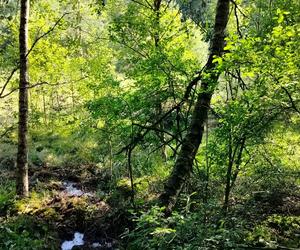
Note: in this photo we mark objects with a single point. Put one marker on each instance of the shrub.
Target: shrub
(26, 233)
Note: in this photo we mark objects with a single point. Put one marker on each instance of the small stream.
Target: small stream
(77, 241)
(71, 189)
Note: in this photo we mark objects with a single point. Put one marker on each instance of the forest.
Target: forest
(149, 124)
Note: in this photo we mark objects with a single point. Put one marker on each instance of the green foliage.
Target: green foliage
(25, 232)
(107, 71)
(7, 158)
(7, 193)
(277, 230)
(183, 231)
(152, 230)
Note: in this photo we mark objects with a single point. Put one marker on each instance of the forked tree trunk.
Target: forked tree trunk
(22, 155)
(184, 163)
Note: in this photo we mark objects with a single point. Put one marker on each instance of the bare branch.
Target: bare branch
(148, 6)
(153, 128)
(287, 92)
(7, 81)
(29, 51)
(43, 83)
(237, 21)
(7, 130)
(166, 143)
(291, 100)
(236, 6)
(46, 33)
(139, 137)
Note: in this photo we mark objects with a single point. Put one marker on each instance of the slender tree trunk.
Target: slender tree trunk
(207, 164)
(162, 137)
(44, 107)
(231, 156)
(184, 163)
(231, 177)
(110, 157)
(22, 155)
(156, 9)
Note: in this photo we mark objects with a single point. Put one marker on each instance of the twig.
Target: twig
(155, 129)
(148, 6)
(7, 131)
(237, 21)
(46, 33)
(140, 136)
(29, 51)
(238, 8)
(41, 83)
(291, 99)
(8, 80)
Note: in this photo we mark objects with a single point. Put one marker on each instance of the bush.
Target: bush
(7, 193)
(8, 154)
(276, 230)
(26, 233)
(183, 231)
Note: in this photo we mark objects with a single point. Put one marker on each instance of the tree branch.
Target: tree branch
(46, 33)
(153, 128)
(7, 81)
(7, 130)
(237, 21)
(29, 51)
(139, 137)
(148, 6)
(42, 83)
(291, 100)
(238, 8)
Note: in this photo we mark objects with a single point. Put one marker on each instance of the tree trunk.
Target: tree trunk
(22, 155)
(184, 163)
(231, 177)
(156, 9)
(231, 156)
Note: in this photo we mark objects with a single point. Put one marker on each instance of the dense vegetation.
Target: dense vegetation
(150, 124)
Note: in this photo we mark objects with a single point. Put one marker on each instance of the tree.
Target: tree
(22, 155)
(156, 55)
(184, 163)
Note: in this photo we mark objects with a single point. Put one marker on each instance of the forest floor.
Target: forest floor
(72, 200)
(85, 201)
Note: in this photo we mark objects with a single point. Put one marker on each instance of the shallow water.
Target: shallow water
(71, 190)
(96, 244)
(77, 241)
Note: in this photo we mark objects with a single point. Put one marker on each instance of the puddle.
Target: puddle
(72, 190)
(77, 241)
(104, 245)
(96, 244)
